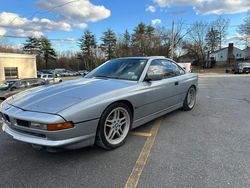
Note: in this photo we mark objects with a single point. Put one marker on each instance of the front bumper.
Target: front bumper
(81, 135)
(56, 138)
(44, 142)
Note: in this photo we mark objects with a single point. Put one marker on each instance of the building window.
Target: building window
(11, 72)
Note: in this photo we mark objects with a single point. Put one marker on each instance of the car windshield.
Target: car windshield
(125, 69)
(243, 64)
(6, 85)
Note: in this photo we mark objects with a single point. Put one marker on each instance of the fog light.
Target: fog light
(59, 126)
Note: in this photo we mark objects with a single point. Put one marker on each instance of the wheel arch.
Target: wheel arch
(97, 137)
(194, 87)
(128, 103)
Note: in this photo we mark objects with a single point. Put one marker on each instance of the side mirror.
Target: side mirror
(154, 77)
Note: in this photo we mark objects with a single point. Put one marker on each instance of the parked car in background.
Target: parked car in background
(50, 78)
(11, 87)
(83, 72)
(67, 73)
(102, 107)
(187, 66)
(242, 68)
(59, 72)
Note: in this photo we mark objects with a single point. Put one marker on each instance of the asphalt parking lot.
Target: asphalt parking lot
(206, 147)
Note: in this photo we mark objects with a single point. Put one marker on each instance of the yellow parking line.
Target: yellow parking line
(142, 159)
(141, 133)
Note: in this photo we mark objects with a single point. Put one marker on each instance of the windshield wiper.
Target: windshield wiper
(108, 77)
(104, 77)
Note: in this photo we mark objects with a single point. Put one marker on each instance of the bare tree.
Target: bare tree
(196, 44)
(179, 34)
(213, 39)
(221, 25)
(244, 30)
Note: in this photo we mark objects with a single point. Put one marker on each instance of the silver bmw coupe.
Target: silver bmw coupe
(102, 107)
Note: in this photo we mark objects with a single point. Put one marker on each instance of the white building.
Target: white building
(247, 52)
(221, 56)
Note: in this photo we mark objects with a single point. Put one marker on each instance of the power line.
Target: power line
(40, 12)
(46, 11)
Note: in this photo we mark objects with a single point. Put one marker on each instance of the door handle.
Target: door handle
(176, 83)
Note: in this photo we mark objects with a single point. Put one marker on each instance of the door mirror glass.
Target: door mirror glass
(155, 72)
(151, 76)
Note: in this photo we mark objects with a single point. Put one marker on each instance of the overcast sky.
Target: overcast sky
(67, 19)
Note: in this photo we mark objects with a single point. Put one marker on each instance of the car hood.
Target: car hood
(55, 98)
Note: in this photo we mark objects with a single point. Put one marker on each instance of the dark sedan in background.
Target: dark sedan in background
(12, 87)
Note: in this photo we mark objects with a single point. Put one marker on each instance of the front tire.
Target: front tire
(190, 99)
(114, 126)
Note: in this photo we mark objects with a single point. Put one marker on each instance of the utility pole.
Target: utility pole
(172, 42)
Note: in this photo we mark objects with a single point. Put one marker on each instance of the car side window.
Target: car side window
(165, 67)
(32, 83)
(181, 71)
(20, 84)
(50, 76)
(177, 69)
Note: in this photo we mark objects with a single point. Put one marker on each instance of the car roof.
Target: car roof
(244, 63)
(46, 74)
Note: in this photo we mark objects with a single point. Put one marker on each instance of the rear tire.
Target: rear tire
(114, 126)
(190, 99)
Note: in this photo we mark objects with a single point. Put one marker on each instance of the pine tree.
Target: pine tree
(139, 39)
(126, 43)
(87, 44)
(41, 47)
(32, 46)
(46, 51)
(109, 43)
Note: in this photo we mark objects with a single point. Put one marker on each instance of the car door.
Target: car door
(43, 76)
(180, 81)
(160, 94)
(50, 78)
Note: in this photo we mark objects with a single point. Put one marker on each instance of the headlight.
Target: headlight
(51, 127)
(35, 125)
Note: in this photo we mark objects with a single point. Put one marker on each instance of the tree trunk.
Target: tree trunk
(46, 63)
